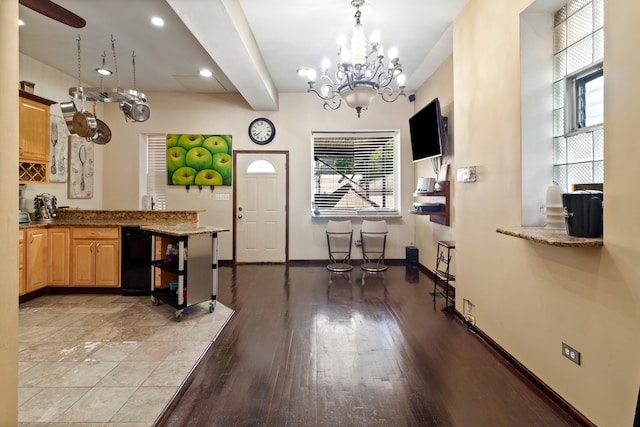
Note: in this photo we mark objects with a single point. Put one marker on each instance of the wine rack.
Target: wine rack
(30, 172)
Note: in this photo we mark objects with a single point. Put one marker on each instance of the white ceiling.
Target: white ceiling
(253, 47)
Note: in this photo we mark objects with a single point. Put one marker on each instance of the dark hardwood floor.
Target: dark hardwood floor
(301, 353)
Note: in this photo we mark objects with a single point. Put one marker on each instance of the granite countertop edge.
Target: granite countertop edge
(184, 229)
(115, 218)
(551, 236)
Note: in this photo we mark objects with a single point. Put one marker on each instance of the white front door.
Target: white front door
(261, 207)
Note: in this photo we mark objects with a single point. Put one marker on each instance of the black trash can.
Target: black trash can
(411, 256)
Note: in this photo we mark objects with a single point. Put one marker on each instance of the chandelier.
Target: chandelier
(359, 76)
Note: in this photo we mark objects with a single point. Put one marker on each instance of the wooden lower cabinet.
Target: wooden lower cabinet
(59, 240)
(36, 259)
(22, 289)
(95, 256)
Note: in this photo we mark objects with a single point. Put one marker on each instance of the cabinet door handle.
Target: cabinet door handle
(31, 239)
(97, 247)
(91, 247)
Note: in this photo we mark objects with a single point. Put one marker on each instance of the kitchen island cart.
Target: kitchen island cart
(185, 261)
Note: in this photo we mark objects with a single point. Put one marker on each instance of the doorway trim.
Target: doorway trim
(286, 201)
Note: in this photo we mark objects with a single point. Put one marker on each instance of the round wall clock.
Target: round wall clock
(262, 131)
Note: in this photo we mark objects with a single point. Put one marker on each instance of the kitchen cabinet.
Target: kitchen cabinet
(443, 213)
(95, 256)
(59, 240)
(36, 259)
(34, 128)
(22, 289)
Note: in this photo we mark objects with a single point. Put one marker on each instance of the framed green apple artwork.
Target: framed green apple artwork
(199, 159)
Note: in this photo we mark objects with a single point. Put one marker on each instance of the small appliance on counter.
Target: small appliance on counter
(23, 214)
(583, 213)
(44, 207)
(24, 217)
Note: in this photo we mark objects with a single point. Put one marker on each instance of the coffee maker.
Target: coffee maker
(583, 213)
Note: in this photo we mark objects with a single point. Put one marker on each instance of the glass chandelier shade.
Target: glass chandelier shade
(360, 75)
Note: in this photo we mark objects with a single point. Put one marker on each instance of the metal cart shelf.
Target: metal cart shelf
(194, 269)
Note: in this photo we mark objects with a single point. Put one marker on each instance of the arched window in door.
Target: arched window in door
(261, 166)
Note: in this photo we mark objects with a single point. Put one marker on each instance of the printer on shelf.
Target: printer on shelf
(425, 185)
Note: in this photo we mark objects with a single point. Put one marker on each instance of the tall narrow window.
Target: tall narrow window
(157, 170)
(355, 173)
(578, 94)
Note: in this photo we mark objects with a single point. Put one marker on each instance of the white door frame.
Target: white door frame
(235, 198)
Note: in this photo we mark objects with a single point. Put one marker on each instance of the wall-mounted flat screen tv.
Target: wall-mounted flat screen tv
(428, 133)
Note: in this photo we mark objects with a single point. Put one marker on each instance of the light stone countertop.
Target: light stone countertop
(551, 236)
(183, 229)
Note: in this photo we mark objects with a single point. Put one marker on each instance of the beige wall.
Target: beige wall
(530, 297)
(117, 163)
(440, 85)
(8, 214)
(299, 114)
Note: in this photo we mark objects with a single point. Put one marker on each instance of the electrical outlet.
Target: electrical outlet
(358, 243)
(571, 353)
(468, 312)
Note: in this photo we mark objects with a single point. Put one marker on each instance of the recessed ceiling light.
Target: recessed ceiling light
(205, 73)
(20, 22)
(157, 21)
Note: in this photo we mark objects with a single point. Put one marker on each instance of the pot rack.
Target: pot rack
(100, 94)
(96, 94)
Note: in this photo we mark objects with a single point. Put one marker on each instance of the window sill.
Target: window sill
(358, 214)
(550, 236)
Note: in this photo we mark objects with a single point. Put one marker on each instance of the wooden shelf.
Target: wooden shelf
(442, 216)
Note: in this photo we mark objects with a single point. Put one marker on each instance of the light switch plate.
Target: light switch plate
(467, 174)
(222, 196)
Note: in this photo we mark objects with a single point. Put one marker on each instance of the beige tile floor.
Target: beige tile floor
(106, 360)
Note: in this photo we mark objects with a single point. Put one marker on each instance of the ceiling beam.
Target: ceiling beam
(221, 27)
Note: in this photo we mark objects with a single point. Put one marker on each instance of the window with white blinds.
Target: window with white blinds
(355, 173)
(157, 170)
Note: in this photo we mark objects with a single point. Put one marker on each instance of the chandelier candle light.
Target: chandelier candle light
(359, 75)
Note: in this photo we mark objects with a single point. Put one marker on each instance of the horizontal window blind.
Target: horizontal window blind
(355, 172)
(157, 170)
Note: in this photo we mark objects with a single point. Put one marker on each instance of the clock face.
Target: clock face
(262, 131)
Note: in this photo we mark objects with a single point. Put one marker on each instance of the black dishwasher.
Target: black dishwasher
(135, 278)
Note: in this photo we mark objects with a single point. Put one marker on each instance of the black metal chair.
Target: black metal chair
(339, 239)
(373, 237)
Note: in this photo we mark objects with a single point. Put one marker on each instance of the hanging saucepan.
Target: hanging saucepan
(68, 110)
(136, 110)
(103, 133)
(84, 123)
(135, 106)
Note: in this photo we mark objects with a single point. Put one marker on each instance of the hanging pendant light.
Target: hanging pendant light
(359, 75)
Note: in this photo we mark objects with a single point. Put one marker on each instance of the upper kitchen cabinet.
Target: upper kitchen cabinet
(34, 138)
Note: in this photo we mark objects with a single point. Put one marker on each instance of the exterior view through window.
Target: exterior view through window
(355, 173)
